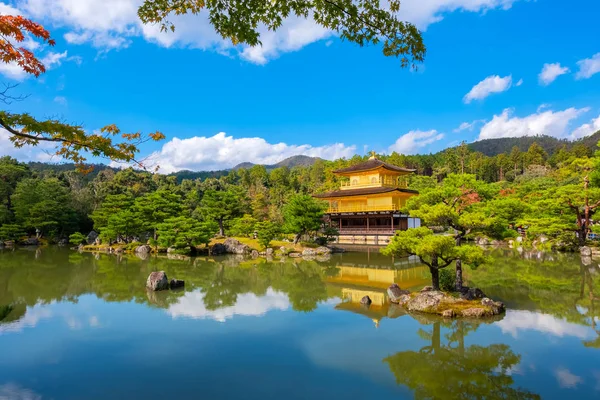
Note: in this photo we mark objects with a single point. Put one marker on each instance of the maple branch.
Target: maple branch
(360, 19)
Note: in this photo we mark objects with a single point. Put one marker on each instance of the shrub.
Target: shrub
(77, 238)
(447, 280)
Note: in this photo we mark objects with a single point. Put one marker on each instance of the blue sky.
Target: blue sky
(493, 67)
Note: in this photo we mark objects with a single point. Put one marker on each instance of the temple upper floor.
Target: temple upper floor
(372, 174)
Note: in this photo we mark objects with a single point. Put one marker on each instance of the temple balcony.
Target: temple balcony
(381, 182)
(361, 208)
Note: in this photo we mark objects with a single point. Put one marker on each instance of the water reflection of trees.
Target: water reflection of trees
(449, 369)
(59, 275)
(563, 285)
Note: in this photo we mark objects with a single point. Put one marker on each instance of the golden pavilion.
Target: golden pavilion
(366, 209)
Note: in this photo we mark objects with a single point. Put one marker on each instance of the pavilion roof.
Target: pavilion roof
(371, 164)
(363, 191)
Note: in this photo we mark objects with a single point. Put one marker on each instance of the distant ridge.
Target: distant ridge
(493, 147)
(290, 162)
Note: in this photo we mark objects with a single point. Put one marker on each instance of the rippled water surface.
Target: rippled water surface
(80, 326)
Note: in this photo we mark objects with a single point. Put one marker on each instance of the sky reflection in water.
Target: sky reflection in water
(81, 326)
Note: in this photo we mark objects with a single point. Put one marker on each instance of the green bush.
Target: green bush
(77, 238)
(447, 280)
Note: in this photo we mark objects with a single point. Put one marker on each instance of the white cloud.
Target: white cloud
(550, 72)
(586, 129)
(12, 391)
(491, 84)
(111, 24)
(543, 122)
(43, 152)
(566, 379)
(519, 83)
(588, 67)
(15, 72)
(426, 12)
(468, 126)
(414, 141)
(192, 305)
(294, 35)
(222, 151)
(521, 320)
(6, 9)
(61, 100)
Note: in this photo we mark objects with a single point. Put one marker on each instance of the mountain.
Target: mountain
(290, 162)
(492, 147)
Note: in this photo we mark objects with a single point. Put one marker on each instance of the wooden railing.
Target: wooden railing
(381, 182)
(363, 230)
(362, 208)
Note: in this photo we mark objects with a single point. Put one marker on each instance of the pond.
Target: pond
(75, 326)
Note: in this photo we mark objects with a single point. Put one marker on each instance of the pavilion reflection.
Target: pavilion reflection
(357, 277)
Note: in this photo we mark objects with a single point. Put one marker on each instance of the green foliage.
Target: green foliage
(77, 238)
(185, 232)
(44, 205)
(239, 21)
(11, 232)
(222, 206)
(266, 232)
(154, 208)
(244, 226)
(447, 280)
(303, 214)
(122, 226)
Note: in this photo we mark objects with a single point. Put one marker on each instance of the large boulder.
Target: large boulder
(475, 312)
(269, 251)
(235, 247)
(218, 249)
(323, 250)
(143, 249)
(157, 280)
(425, 301)
(396, 294)
(471, 293)
(30, 242)
(255, 254)
(585, 251)
(91, 237)
(295, 254)
(309, 253)
(497, 307)
(366, 301)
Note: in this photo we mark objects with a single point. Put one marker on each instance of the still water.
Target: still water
(82, 326)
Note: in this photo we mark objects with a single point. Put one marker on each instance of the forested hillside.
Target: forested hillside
(53, 201)
(493, 147)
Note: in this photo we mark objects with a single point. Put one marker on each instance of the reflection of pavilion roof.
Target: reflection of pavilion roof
(375, 313)
(363, 192)
(371, 164)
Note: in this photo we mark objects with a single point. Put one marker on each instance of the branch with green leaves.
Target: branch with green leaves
(364, 22)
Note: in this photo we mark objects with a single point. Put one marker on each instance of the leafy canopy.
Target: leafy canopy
(435, 251)
(183, 232)
(303, 214)
(363, 22)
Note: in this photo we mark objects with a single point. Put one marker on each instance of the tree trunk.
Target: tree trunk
(436, 336)
(458, 283)
(435, 278)
(297, 238)
(221, 228)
